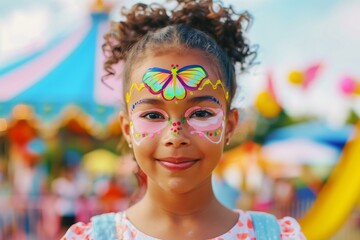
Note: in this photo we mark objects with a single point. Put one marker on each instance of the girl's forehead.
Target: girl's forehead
(166, 60)
(206, 95)
(176, 78)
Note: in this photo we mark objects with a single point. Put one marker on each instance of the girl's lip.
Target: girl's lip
(176, 159)
(177, 164)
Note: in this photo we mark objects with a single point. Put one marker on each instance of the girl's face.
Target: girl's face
(177, 121)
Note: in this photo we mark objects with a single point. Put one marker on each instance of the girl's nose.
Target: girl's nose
(177, 141)
(175, 135)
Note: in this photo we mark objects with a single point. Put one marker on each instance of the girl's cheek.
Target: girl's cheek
(211, 128)
(209, 124)
(141, 125)
(142, 129)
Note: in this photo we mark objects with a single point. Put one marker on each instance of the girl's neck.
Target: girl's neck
(194, 202)
(195, 214)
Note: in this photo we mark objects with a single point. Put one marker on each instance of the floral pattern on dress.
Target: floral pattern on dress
(242, 230)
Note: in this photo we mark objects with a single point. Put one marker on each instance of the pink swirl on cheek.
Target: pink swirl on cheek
(148, 127)
(143, 125)
(209, 124)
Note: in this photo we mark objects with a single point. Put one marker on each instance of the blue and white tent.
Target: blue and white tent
(67, 72)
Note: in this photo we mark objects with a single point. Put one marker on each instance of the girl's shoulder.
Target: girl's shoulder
(105, 226)
(101, 223)
(290, 229)
(79, 231)
(249, 221)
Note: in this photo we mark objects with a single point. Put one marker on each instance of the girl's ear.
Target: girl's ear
(231, 124)
(125, 126)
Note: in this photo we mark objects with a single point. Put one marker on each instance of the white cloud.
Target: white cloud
(23, 28)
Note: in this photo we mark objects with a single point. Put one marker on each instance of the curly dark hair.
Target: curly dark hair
(207, 25)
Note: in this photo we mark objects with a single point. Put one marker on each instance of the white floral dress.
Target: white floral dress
(243, 229)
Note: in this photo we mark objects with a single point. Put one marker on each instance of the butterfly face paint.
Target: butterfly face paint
(174, 83)
(206, 122)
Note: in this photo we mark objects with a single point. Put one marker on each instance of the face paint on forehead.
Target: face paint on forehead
(215, 86)
(175, 83)
(132, 88)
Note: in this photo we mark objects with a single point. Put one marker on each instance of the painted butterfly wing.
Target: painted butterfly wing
(156, 79)
(173, 85)
(174, 89)
(191, 76)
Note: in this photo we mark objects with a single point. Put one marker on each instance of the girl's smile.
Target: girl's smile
(177, 164)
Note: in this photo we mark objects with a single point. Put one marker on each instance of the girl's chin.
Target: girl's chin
(178, 185)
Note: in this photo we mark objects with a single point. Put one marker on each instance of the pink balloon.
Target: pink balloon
(310, 74)
(347, 85)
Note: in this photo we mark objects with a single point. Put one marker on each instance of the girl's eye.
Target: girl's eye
(201, 114)
(153, 116)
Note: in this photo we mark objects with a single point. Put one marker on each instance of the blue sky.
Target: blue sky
(295, 34)
(292, 35)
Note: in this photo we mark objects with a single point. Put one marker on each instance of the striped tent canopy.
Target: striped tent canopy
(67, 72)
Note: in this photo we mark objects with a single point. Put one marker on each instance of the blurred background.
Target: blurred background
(297, 147)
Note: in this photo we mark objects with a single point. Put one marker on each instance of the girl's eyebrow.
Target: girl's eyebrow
(193, 100)
(199, 99)
(151, 101)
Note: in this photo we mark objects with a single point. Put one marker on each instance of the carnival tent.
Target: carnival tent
(67, 72)
(313, 130)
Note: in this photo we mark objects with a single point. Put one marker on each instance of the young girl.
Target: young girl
(179, 81)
